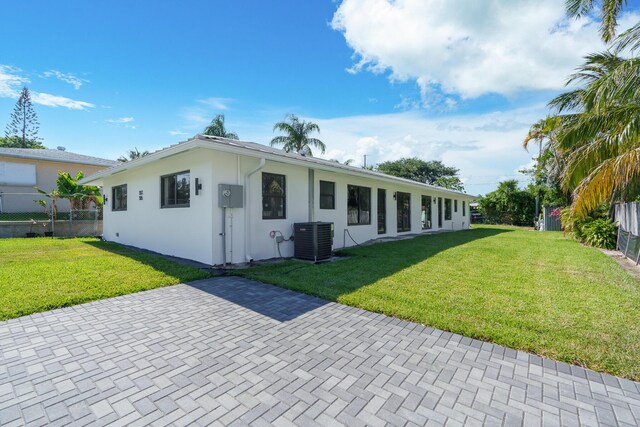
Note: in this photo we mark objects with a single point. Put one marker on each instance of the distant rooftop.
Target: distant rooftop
(55, 156)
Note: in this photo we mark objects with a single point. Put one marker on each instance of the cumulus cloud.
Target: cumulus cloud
(69, 78)
(468, 48)
(485, 147)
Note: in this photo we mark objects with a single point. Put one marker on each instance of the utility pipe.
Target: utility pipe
(247, 210)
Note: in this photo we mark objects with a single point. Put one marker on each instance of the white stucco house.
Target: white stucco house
(170, 201)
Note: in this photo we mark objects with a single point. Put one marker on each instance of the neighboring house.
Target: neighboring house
(168, 201)
(22, 169)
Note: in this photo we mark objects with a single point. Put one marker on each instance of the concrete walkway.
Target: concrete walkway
(231, 351)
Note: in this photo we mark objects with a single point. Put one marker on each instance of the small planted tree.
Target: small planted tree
(80, 196)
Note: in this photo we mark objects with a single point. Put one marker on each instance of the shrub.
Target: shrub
(601, 233)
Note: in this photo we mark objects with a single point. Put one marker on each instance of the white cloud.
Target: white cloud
(126, 122)
(485, 147)
(468, 48)
(12, 80)
(121, 120)
(216, 103)
(49, 100)
(177, 133)
(69, 78)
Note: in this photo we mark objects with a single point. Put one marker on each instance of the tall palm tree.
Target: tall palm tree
(133, 155)
(216, 128)
(297, 136)
(599, 135)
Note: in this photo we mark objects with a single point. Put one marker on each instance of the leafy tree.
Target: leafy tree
(297, 138)
(508, 204)
(217, 128)
(22, 130)
(450, 182)
(133, 155)
(15, 142)
(417, 169)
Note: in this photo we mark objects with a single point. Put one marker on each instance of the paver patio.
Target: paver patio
(232, 351)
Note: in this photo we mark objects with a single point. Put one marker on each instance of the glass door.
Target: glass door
(439, 212)
(426, 213)
(404, 211)
(382, 211)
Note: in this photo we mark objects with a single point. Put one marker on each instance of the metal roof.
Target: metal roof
(54, 156)
(258, 150)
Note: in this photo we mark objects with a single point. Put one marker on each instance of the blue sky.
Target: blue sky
(447, 80)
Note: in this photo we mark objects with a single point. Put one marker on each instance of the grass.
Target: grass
(42, 274)
(533, 291)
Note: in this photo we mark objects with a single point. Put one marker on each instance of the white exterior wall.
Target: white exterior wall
(183, 232)
(195, 232)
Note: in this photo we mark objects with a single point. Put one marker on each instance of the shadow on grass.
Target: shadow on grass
(179, 269)
(278, 304)
(365, 265)
(329, 281)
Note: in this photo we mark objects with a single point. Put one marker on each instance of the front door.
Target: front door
(439, 212)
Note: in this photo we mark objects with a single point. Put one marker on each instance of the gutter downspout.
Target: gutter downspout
(247, 211)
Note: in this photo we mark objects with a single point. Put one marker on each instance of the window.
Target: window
(119, 198)
(447, 209)
(358, 205)
(439, 212)
(382, 211)
(464, 208)
(327, 195)
(404, 211)
(274, 195)
(426, 212)
(455, 206)
(174, 190)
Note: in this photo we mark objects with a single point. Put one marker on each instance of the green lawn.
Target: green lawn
(538, 292)
(42, 273)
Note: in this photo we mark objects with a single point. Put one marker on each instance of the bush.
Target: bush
(601, 233)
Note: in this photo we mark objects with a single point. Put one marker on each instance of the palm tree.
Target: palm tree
(347, 162)
(609, 11)
(599, 135)
(133, 155)
(297, 138)
(216, 128)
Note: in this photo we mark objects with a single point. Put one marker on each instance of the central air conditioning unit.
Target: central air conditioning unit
(313, 240)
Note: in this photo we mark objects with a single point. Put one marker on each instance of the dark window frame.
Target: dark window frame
(426, 202)
(447, 210)
(400, 227)
(122, 206)
(165, 204)
(360, 201)
(382, 211)
(464, 209)
(273, 196)
(455, 205)
(332, 195)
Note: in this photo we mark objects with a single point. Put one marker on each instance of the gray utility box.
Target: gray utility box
(313, 240)
(230, 196)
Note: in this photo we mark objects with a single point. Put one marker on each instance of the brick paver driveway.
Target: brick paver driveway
(233, 351)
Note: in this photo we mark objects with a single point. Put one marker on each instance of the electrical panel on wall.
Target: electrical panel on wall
(230, 196)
